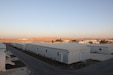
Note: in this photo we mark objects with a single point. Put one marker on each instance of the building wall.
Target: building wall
(13, 44)
(110, 46)
(52, 53)
(73, 57)
(20, 45)
(2, 59)
(78, 55)
(99, 49)
(84, 54)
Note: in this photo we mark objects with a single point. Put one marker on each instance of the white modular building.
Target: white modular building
(63, 52)
(19, 45)
(13, 44)
(101, 48)
(2, 56)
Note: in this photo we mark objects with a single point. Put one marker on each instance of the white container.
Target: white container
(63, 52)
(2, 56)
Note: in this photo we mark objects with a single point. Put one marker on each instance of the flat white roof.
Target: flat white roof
(65, 46)
(22, 43)
(2, 46)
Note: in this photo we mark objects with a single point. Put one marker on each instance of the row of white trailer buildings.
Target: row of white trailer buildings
(65, 52)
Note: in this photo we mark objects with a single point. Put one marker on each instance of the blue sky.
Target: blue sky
(56, 18)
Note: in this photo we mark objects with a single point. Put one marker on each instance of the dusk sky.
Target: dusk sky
(56, 18)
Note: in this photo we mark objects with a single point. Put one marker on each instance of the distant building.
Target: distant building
(66, 41)
(89, 41)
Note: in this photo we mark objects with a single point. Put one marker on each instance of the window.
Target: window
(57, 53)
(100, 49)
(46, 50)
(5, 51)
